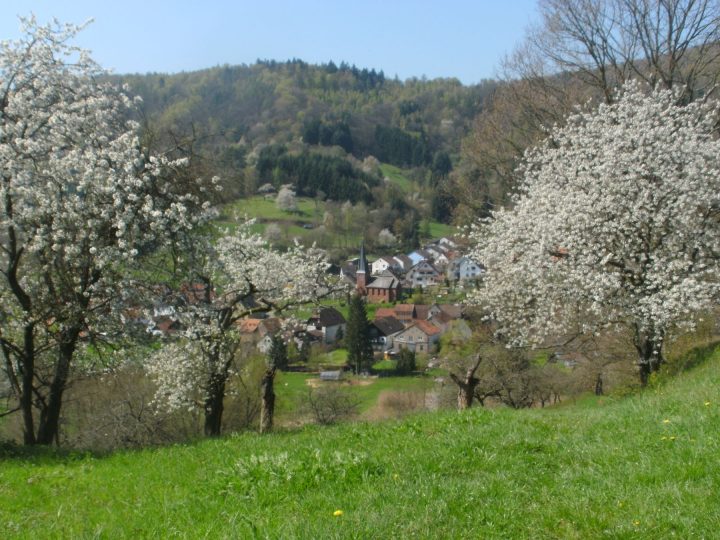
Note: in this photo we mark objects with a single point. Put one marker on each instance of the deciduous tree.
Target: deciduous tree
(232, 277)
(580, 50)
(616, 223)
(80, 202)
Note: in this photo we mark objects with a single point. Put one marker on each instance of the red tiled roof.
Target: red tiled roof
(427, 327)
(422, 311)
(381, 313)
(248, 326)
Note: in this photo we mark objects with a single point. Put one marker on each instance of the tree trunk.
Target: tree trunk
(26, 392)
(267, 395)
(599, 385)
(214, 406)
(48, 430)
(650, 359)
(466, 386)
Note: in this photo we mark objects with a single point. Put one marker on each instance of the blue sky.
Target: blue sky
(451, 38)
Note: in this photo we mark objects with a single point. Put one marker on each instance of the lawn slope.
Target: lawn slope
(645, 466)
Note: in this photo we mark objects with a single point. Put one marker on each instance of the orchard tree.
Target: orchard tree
(616, 223)
(230, 278)
(286, 200)
(80, 202)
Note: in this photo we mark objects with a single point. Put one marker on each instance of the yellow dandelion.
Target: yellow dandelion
(663, 438)
(636, 522)
(338, 513)
(396, 476)
(666, 421)
(672, 438)
(707, 403)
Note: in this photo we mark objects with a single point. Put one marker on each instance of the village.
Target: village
(391, 286)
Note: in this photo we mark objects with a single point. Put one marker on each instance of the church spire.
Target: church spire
(361, 272)
(363, 264)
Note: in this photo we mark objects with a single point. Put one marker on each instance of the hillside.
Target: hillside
(276, 102)
(643, 466)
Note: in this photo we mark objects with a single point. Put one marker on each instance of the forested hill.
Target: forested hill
(406, 123)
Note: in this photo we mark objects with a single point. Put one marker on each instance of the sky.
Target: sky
(465, 39)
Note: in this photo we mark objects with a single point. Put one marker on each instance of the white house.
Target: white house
(447, 242)
(329, 321)
(464, 268)
(382, 264)
(438, 254)
(404, 263)
(423, 274)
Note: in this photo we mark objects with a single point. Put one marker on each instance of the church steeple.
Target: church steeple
(363, 264)
(362, 271)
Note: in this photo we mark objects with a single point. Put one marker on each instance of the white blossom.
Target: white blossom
(80, 198)
(615, 222)
(242, 275)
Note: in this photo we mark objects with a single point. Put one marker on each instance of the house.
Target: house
(449, 243)
(163, 325)
(463, 269)
(405, 313)
(329, 321)
(382, 332)
(438, 255)
(404, 263)
(381, 313)
(385, 287)
(453, 311)
(382, 264)
(421, 336)
(197, 293)
(266, 330)
(423, 274)
(259, 331)
(417, 256)
(348, 273)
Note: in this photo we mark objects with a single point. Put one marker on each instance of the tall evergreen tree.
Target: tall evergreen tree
(278, 353)
(357, 336)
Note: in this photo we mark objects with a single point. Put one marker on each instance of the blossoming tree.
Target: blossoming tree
(233, 277)
(79, 203)
(616, 223)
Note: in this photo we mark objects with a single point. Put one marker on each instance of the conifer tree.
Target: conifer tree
(278, 353)
(357, 337)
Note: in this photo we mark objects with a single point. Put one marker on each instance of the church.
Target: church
(383, 287)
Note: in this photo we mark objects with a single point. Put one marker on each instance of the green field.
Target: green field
(292, 388)
(267, 210)
(644, 466)
(310, 214)
(397, 177)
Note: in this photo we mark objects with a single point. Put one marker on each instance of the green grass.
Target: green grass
(267, 210)
(397, 177)
(385, 365)
(438, 230)
(291, 389)
(645, 466)
(338, 357)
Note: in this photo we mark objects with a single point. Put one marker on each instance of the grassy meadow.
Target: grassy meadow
(642, 466)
